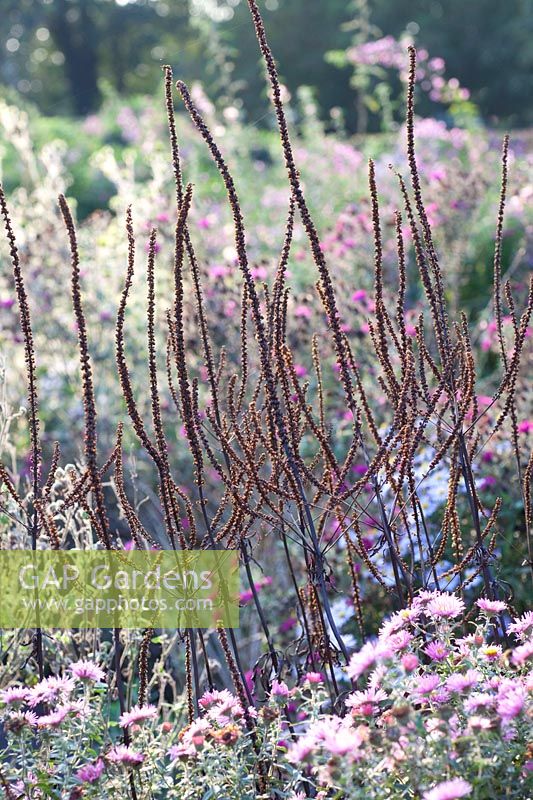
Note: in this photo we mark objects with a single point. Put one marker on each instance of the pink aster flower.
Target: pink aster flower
(366, 702)
(396, 642)
(86, 670)
(479, 700)
(445, 606)
(125, 755)
(511, 703)
(14, 695)
(437, 651)
(492, 652)
(363, 660)
(409, 662)
(449, 790)
(491, 607)
(23, 718)
(50, 689)
(426, 684)
(301, 750)
(182, 751)
(56, 717)
(313, 677)
(459, 682)
(209, 699)
(90, 773)
(137, 714)
(342, 742)
(279, 691)
(522, 625)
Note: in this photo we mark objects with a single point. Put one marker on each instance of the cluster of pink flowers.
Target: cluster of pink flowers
(247, 595)
(55, 693)
(426, 689)
(391, 53)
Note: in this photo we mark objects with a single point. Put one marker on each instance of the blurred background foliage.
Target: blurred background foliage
(64, 55)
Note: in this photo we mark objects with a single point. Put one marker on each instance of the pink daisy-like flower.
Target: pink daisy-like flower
(449, 790)
(14, 695)
(479, 700)
(491, 607)
(23, 718)
(396, 642)
(86, 670)
(137, 714)
(409, 662)
(301, 750)
(313, 677)
(90, 773)
(426, 684)
(279, 690)
(363, 660)
(182, 751)
(209, 699)
(445, 606)
(492, 652)
(522, 625)
(437, 651)
(49, 690)
(459, 682)
(56, 717)
(400, 619)
(511, 704)
(365, 702)
(125, 755)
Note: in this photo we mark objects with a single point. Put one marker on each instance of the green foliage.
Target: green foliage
(59, 53)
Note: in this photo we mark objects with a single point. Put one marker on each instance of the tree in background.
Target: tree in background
(59, 53)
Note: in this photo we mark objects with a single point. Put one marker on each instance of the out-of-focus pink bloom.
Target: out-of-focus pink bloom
(522, 653)
(511, 703)
(409, 662)
(50, 689)
(303, 311)
(90, 773)
(125, 755)
(460, 682)
(522, 626)
(426, 684)
(279, 691)
(218, 271)
(449, 790)
(287, 624)
(313, 677)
